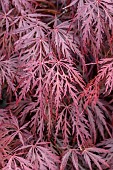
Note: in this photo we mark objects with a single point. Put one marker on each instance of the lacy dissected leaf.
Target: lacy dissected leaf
(6, 18)
(41, 156)
(108, 144)
(10, 130)
(32, 37)
(101, 112)
(33, 76)
(17, 162)
(106, 73)
(92, 155)
(37, 121)
(97, 116)
(63, 78)
(73, 154)
(64, 41)
(63, 124)
(7, 73)
(93, 25)
(82, 128)
(73, 122)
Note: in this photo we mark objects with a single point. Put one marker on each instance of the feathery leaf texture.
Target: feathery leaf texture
(56, 84)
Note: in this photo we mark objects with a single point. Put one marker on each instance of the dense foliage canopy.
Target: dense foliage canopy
(56, 84)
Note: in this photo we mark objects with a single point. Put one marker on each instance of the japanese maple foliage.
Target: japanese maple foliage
(56, 84)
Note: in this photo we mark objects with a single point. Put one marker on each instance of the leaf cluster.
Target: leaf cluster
(56, 84)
